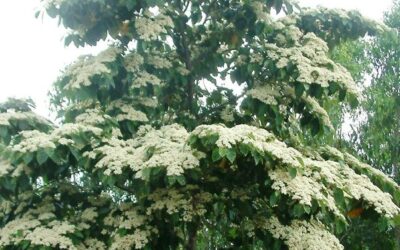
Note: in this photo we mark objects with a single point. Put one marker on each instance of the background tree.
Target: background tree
(373, 64)
(154, 151)
(378, 138)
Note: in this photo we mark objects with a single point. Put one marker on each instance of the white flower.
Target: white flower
(86, 67)
(150, 26)
(303, 235)
(164, 148)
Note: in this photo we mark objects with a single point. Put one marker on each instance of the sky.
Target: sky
(32, 51)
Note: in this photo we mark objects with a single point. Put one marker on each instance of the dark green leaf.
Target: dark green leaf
(231, 155)
(292, 172)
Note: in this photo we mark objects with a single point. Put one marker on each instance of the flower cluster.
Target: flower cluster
(315, 179)
(34, 140)
(81, 72)
(92, 117)
(39, 226)
(164, 148)
(7, 117)
(150, 26)
(303, 235)
(127, 112)
(143, 78)
(175, 201)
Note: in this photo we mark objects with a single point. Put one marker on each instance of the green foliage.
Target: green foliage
(374, 135)
(378, 135)
(156, 151)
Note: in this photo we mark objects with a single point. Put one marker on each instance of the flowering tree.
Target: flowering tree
(155, 151)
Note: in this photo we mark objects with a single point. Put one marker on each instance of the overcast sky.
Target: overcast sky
(32, 52)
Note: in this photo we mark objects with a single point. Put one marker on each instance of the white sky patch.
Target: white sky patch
(32, 52)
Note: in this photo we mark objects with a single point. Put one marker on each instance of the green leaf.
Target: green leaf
(181, 180)
(28, 157)
(353, 101)
(315, 126)
(192, 140)
(3, 131)
(342, 95)
(215, 156)
(292, 172)
(231, 155)
(211, 140)
(233, 233)
(41, 157)
(244, 149)
(396, 220)
(298, 210)
(299, 89)
(274, 198)
(339, 197)
(307, 209)
(146, 173)
(131, 4)
(223, 151)
(25, 244)
(340, 226)
(278, 5)
(171, 180)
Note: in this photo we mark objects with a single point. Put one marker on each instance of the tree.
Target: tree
(377, 138)
(154, 151)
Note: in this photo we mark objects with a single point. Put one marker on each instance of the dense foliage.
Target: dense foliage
(155, 150)
(378, 137)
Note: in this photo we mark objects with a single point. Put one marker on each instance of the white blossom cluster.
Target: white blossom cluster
(303, 235)
(354, 163)
(259, 139)
(6, 207)
(143, 78)
(265, 93)
(312, 63)
(307, 52)
(164, 148)
(227, 114)
(343, 15)
(81, 72)
(126, 217)
(92, 117)
(91, 244)
(150, 26)
(133, 61)
(7, 117)
(159, 62)
(317, 110)
(311, 185)
(34, 140)
(38, 226)
(303, 189)
(147, 101)
(7, 169)
(314, 180)
(89, 214)
(137, 240)
(229, 137)
(127, 112)
(129, 219)
(259, 9)
(177, 201)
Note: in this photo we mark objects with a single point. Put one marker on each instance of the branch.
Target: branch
(126, 189)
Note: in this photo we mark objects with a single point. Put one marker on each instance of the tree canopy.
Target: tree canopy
(156, 150)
